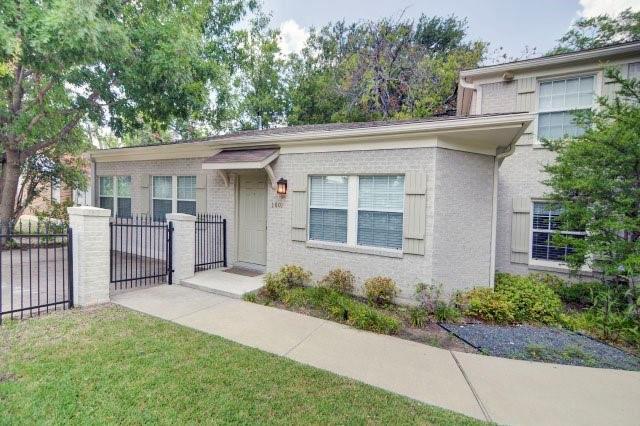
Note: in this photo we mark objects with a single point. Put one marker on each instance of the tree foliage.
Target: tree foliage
(386, 69)
(596, 181)
(588, 33)
(115, 63)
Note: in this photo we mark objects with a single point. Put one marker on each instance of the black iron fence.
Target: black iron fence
(140, 252)
(211, 242)
(36, 268)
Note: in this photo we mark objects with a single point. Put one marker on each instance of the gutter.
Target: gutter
(499, 158)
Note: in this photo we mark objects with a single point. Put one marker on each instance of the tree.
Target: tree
(387, 69)
(596, 182)
(588, 33)
(116, 63)
(260, 82)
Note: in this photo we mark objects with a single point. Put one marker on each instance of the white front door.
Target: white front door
(252, 219)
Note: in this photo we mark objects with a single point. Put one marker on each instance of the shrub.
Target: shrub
(288, 277)
(533, 301)
(339, 280)
(485, 304)
(430, 297)
(250, 297)
(418, 316)
(296, 297)
(380, 290)
(580, 293)
(295, 276)
(274, 285)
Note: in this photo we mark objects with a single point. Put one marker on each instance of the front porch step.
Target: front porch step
(223, 283)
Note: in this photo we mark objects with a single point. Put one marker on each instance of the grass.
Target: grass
(110, 365)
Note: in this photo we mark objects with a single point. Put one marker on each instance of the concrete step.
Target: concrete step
(217, 281)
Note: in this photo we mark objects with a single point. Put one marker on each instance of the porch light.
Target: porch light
(281, 188)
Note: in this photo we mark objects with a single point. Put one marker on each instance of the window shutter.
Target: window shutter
(201, 193)
(520, 230)
(525, 97)
(144, 194)
(415, 188)
(299, 207)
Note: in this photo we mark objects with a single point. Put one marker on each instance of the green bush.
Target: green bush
(295, 276)
(432, 301)
(418, 316)
(578, 293)
(485, 304)
(447, 313)
(533, 301)
(380, 291)
(342, 308)
(274, 285)
(339, 280)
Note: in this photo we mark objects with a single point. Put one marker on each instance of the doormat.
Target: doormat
(243, 271)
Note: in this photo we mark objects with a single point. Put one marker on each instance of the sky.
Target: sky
(513, 25)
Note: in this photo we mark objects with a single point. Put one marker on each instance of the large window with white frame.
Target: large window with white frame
(114, 193)
(558, 100)
(545, 223)
(357, 210)
(173, 194)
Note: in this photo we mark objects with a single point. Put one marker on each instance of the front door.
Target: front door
(252, 219)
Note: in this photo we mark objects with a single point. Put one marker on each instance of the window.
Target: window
(328, 208)
(357, 210)
(187, 195)
(123, 196)
(162, 199)
(114, 193)
(545, 224)
(558, 98)
(173, 194)
(380, 209)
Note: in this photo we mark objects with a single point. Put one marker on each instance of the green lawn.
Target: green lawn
(110, 365)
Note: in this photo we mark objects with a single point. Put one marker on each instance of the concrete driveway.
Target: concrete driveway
(496, 389)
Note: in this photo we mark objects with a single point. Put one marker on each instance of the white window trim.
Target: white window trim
(597, 90)
(352, 217)
(174, 192)
(542, 262)
(114, 182)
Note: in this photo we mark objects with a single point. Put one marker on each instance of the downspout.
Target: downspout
(494, 210)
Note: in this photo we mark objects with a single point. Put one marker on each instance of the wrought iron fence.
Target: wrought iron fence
(140, 252)
(36, 268)
(211, 242)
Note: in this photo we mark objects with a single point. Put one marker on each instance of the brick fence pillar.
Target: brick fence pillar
(183, 245)
(91, 245)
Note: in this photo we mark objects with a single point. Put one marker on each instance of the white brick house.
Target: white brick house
(445, 200)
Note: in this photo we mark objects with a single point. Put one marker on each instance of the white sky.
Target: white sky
(511, 24)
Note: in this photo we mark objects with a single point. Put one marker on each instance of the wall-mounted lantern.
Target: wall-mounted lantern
(281, 188)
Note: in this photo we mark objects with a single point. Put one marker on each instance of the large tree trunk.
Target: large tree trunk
(11, 175)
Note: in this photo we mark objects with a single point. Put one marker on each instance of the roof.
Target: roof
(597, 53)
(482, 133)
(310, 128)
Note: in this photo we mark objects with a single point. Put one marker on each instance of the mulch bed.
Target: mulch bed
(544, 344)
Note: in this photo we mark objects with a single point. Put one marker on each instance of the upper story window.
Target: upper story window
(114, 193)
(173, 194)
(557, 100)
(545, 223)
(357, 210)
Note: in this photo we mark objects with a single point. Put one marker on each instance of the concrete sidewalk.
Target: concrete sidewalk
(497, 389)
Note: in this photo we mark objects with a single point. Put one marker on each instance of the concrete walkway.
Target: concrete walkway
(497, 389)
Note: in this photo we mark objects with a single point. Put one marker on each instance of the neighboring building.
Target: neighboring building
(548, 88)
(444, 200)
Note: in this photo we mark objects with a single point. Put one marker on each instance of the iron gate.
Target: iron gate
(211, 242)
(36, 268)
(141, 252)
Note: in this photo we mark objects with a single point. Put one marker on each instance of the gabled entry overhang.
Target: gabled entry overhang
(243, 159)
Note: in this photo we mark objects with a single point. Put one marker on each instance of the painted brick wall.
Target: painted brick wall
(220, 198)
(499, 97)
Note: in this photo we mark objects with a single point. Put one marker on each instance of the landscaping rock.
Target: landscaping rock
(546, 344)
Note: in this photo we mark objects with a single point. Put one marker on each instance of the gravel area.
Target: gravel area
(544, 344)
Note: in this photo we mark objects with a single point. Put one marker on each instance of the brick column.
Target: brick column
(90, 227)
(183, 245)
